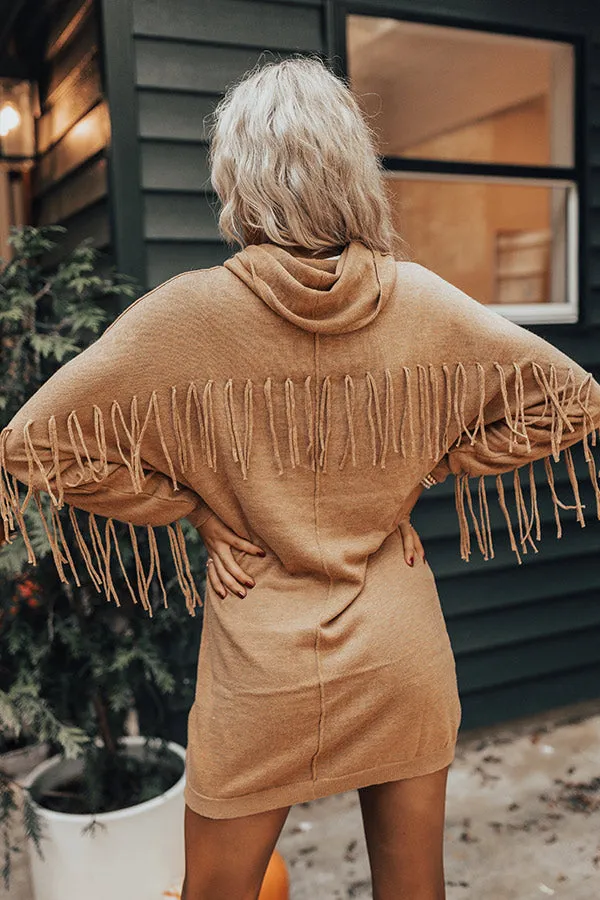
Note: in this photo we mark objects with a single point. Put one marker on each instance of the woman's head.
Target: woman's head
(293, 161)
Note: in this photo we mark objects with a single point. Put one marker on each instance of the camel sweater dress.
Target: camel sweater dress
(305, 402)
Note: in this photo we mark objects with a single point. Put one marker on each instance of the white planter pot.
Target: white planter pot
(139, 855)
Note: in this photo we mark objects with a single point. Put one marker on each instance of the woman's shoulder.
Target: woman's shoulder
(426, 286)
(174, 296)
(411, 270)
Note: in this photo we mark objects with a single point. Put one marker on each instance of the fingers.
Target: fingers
(411, 542)
(224, 581)
(419, 548)
(215, 529)
(241, 543)
(234, 569)
(223, 571)
(408, 542)
(214, 579)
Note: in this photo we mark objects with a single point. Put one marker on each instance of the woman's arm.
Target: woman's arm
(98, 437)
(527, 401)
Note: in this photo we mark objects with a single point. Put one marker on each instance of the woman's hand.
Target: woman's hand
(222, 569)
(411, 541)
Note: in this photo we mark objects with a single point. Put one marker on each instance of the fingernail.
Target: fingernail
(249, 584)
(411, 561)
(224, 594)
(261, 553)
(242, 593)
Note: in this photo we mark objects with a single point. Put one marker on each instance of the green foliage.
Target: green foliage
(73, 666)
(48, 315)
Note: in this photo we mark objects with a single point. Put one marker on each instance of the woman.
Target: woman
(292, 404)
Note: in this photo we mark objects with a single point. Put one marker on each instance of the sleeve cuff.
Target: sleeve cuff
(200, 515)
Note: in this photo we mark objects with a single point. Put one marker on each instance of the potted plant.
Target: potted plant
(107, 854)
(72, 666)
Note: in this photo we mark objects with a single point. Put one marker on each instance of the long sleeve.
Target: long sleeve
(523, 400)
(95, 437)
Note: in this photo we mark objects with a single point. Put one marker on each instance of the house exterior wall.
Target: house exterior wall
(70, 178)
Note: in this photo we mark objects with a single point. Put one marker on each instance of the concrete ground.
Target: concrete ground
(522, 820)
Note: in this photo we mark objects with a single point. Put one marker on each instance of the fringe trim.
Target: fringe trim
(96, 548)
(564, 402)
(411, 413)
(423, 399)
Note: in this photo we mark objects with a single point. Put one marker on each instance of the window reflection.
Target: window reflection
(454, 93)
(501, 243)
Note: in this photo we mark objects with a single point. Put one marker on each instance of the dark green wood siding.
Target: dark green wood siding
(186, 54)
(69, 181)
(593, 98)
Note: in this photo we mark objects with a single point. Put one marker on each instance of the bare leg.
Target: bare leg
(226, 859)
(404, 830)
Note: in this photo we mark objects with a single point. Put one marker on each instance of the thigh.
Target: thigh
(226, 859)
(404, 830)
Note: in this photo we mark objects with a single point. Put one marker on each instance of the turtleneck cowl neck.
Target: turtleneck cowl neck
(329, 296)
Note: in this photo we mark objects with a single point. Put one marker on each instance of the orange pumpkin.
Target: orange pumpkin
(276, 883)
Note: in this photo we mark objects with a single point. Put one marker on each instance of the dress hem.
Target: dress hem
(302, 791)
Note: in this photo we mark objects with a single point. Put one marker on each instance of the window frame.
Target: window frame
(571, 177)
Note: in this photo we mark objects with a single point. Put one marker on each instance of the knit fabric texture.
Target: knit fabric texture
(215, 390)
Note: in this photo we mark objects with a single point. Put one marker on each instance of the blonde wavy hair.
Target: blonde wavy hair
(293, 161)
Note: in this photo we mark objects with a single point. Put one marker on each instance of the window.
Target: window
(476, 131)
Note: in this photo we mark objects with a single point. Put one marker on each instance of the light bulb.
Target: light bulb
(10, 118)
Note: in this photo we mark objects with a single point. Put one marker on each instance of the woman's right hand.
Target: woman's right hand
(222, 569)
(411, 541)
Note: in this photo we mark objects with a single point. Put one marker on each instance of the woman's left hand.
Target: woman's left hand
(411, 541)
(223, 570)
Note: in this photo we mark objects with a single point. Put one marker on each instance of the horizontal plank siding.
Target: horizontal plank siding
(174, 256)
(529, 660)
(93, 223)
(186, 55)
(176, 117)
(190, 66)
(528, 697)
(67, 18)
(79, 93)
(180, 217)
(191, 173)
(478, 590)
(230, 22)
(69, 180)
(594, 169)
(544, 619)
(87, 186)
(85, 139)
(83, 43)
